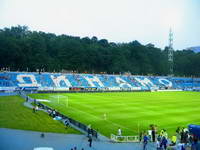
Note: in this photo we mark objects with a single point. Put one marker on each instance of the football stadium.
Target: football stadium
(99, 75)
(118, 108)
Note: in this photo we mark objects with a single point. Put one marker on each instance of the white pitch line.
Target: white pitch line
(43, 100)
(118, 125)
(56, 96)
(84, 105)
(115, 124)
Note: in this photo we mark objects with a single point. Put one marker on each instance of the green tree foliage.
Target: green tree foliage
(22, 49)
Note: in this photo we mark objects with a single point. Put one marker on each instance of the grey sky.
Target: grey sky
(147, 21)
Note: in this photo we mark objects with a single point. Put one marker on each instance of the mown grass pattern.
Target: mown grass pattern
(132, 112)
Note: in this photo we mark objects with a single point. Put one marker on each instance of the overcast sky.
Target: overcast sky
(147, 21)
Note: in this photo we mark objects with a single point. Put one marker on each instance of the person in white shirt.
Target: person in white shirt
(104, 116)
(119, 132)
(36, 108)
(150, 134)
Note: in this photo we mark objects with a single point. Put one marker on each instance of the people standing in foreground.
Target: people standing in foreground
(145, 141)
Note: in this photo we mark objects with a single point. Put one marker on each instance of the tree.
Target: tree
(21, 48)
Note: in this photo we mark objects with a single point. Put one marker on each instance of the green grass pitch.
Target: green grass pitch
(13, 114)
(131, 111)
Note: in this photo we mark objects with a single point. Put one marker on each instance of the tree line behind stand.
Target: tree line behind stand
(25, 50)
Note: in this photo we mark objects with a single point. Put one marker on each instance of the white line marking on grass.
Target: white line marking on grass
(115, 124)
(84, 105)
(43, 100)
(56, 96)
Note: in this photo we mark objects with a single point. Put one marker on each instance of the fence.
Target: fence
(65, 119)
(116, 138)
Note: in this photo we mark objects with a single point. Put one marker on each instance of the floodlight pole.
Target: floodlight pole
(171, 53)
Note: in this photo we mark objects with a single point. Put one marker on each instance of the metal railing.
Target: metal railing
(116, 138)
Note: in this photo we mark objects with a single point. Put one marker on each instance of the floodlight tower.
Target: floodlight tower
(171, 53)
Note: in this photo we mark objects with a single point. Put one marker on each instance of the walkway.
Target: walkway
(11, 139)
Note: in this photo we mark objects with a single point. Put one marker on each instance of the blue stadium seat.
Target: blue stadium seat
(53, 80)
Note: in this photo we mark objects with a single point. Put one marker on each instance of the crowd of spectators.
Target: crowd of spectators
(181, 140)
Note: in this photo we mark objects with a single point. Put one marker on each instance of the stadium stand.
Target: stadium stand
(10, 81)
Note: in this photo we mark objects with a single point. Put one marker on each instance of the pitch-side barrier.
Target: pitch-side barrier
(116, 138)
(65, 119)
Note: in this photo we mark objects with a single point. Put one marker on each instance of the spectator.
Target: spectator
(89, 130)
(34, 109)
(145, 142)
(159, 138)
(163, 143)
(140, 136)
(97, 134)
(162, 132)
(190, 139)
(165, 134)
(153, 134)
(42, 135)
(182, 135)
(173, 140)
(54, 113)
(194, 143)
(90, 141)
(150, 134)
(119, 132)
(66, 122)
(185, 137)
(49, 111)
(158, 145)
(180, 146)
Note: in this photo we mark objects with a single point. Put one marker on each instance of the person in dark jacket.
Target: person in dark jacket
(140, 136)
(153, 135)
(90, 141)
(163, 143)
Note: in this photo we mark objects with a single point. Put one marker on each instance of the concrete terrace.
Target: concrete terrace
(11, 139)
